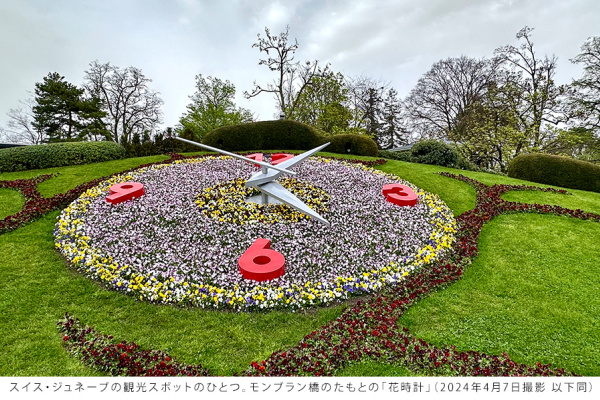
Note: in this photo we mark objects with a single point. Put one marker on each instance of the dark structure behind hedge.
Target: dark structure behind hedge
(286, 135)
(8, 145)
(556, 170)
(58, 155)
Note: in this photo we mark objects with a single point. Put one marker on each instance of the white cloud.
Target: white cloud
(396, 41)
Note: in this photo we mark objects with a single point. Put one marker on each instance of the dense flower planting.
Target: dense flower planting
(180, 242)
(117, 359)
(370, 329)
(226, 202)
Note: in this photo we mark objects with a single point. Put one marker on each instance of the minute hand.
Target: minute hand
(301, 157)
(262, 164)
(260, 178)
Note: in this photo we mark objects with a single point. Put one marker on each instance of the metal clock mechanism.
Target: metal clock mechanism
(272, 192)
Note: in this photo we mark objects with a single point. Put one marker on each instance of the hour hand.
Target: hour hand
(262, 164)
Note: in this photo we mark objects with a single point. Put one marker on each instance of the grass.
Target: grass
(70, 177)
(11, 202)
(532, 292)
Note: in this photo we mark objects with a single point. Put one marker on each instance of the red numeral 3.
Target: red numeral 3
(400, 195)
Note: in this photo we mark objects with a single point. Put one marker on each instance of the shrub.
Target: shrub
(359, 145)
(286, 135)
(396, 155)
(434, 152)
(265, 135)
(430, 152)
(556, 170)
(158, 145)
(58, 155)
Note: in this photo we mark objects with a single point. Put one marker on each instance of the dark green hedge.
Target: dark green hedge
(58, 155)
(285, 135)
(396, 155)
(556, 170)
(158, 145)
(359, 145)
(265, 135)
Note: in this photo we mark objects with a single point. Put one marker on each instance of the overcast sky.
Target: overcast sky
(172, 41)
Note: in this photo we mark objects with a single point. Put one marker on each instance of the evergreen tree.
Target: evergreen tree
(391, 134)
(63, 113)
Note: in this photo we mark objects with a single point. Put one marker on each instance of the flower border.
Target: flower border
(124, 358)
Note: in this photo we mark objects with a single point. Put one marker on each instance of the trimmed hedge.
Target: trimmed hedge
(58, 155)
(265, 135)
(396, 155)
(288, 135)
(556, 170)
(159, 145)
(359, 145)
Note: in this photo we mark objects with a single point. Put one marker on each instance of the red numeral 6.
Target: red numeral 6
(260, 263)
(400, 195)
(121, 192)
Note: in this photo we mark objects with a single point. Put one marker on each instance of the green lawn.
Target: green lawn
(532, 292)
(11, 202)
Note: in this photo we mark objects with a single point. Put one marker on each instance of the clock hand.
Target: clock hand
(301, 157)
(262, 164)
(260, 178)
(275, 190)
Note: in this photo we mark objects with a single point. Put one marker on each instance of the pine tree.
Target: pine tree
(63, 113)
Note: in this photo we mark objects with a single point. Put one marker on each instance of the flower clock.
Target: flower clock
(185, 230)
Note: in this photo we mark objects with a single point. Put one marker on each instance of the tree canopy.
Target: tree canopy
(63, 113)
(212, 106)
(130, 105)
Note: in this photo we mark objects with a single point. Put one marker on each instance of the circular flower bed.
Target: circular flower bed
(176, 245)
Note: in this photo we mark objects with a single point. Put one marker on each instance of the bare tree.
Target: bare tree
(365, 96)
(442, 95)
(535, 76)
(292, 76)
(585, 97)
(20, 128)
(130, 105)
